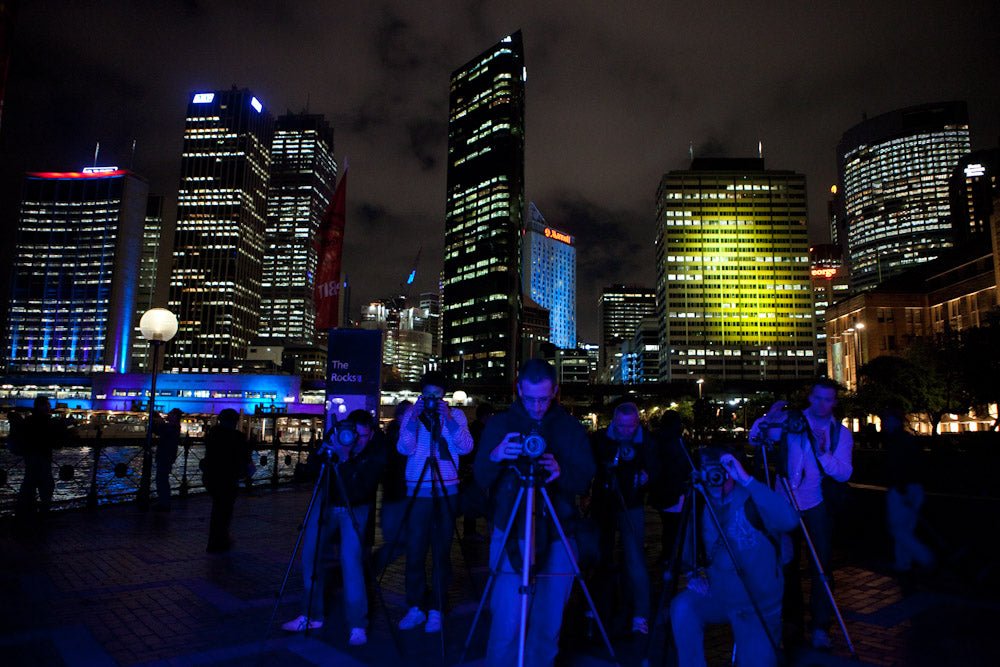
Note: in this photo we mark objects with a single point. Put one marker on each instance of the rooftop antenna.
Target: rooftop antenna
(760, 150)
(97, 150)
(131, 160)
(691, 151)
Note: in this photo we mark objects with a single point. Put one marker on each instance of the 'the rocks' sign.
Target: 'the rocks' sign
(353, 362)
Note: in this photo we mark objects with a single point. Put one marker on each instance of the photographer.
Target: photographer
(752, 518)
(359, 452)
(626, 457)
(566, 468)
(815, 458)
(432, 436)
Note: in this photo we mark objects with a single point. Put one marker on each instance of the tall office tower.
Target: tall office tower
(430, 304)
(972, 188)
(145, 297)
(215, 283)
(620, 308)
(732, 260)
(548, 265)
(894, 171)
(76, 268)
(303, 173)
(640, 356)
(830, 284)
(484, 215)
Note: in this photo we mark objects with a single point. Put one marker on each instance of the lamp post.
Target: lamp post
(700, 382)
(158, 325)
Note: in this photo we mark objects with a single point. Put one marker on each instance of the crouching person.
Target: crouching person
(753, 517)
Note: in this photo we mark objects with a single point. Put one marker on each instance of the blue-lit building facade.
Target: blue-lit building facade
(75, 272)
(548, 263)
(894, 171)
(303, 173)
(149, 273)
(481, 304)
(215, 281)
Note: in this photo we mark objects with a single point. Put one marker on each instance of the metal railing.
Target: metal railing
(106, 471)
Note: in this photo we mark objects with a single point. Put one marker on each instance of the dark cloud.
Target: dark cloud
(614, 99)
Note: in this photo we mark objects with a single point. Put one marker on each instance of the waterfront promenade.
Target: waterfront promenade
(117, 586)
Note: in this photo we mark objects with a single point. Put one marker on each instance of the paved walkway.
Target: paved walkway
(119, 587)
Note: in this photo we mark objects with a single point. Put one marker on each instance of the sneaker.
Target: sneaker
(640, 625)
(433, 621)
(358, 637)
(299, 625)
(413, 618)
(820, 639)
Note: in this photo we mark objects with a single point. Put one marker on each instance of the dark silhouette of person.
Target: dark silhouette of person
(33, 438)
(227, 460)
(169, 433)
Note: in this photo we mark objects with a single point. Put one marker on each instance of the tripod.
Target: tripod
(689, 525)
(432, 471)
(530, 484)
(318, 498)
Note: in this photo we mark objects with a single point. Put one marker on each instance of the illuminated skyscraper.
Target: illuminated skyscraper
(620, 309)
(732, 259)
(76, 268)
(830, 284)
(973, 187)
(894, 171)
(215, 283)
(484, 216)
(303, 172)
(149, 265)
(548, 262)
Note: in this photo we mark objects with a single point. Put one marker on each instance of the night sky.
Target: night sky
(614, 99)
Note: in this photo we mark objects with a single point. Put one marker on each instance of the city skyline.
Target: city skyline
(612, 105)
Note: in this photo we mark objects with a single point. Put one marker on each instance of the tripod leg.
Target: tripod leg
(494, 566)
(672, 576)
(576, 570)
(819, 569)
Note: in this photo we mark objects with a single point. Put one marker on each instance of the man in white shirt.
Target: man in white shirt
(819, 448)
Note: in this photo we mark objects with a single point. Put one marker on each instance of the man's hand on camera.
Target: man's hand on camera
(642, 478)
(821, 438)
(549, 464)
(444, 410)
(508, 449)
(735, 469)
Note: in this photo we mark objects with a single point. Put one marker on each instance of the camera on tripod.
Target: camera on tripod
(345, 433)
(711, 474)
(532, 445)
(624, 453)
(431, 404)
(795, 423)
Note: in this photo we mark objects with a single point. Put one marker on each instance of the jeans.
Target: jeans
(545, 610)
(820, 527)
(223, 503)
(165, 457)
(37, 478)
(336, 521)
(431, 524)
(632, 526)
(691, 611)
(902, 512)
(393, 528)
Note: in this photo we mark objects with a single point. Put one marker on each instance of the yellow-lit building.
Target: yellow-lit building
(734, 299)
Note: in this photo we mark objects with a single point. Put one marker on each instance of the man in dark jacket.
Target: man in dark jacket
(626, 459)
(362, 463)
(34, 438)
(226, 462)
(169, 433)
(566, 469)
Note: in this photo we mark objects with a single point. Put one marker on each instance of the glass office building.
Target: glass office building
(215, 282)
(76, 271)
(481, 302)
(303, 173)
(894, 172)
(620, 309)
(733, 290)
(548, 262)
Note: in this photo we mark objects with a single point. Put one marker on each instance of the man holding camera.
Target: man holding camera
(536, 433)
(817, 456)
(359, 454)
(432, 436)
(626, 456)
(744, 592)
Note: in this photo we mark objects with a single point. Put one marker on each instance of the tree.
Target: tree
(981, 364)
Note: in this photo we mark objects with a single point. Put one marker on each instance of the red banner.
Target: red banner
(330, 246)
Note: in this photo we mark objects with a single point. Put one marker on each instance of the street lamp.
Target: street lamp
(158, 326)
(700, 382)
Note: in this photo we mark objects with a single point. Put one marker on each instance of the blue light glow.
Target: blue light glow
(255, 103)
(411, 277)
(203, 98)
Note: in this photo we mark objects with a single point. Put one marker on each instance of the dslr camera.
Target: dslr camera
(711, 474)
(345, 433)
(532, 445)
(794, 424)
(431, 404)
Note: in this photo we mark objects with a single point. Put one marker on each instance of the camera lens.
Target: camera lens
(533, 446)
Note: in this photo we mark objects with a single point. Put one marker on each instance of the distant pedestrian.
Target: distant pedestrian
(227, 460)
(33, 438)
(905, 495)
(169, 433)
